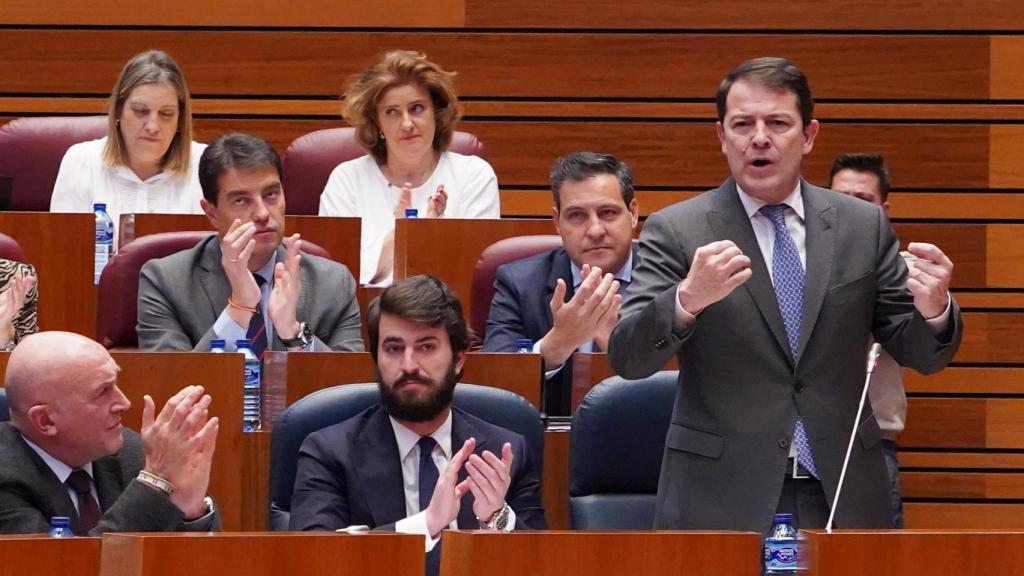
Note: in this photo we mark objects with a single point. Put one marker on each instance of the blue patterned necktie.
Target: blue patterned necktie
(789, 280)
(428, 471)
(257, 331)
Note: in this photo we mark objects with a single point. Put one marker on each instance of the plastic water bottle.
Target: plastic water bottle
(524, 345)
(250, 387)
(217, 346)
(104, 239)
(60, 527)
(781, 547)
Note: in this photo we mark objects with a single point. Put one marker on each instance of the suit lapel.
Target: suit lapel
(819, 222)
(106, 475)
(212, 279)
(50, 488)
(560, 268)
(302, 305)
(462, 430)
(729, 221)
(380, 470)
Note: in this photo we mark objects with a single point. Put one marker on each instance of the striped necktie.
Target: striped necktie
(257, 331)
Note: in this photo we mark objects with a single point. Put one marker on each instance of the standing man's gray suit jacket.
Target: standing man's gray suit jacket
(181, 296)
(740, 389)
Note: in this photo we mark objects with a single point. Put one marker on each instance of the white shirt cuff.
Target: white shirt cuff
(682, 318)
(228, 330)
(417, 524)
(548, 374)
(940, 323)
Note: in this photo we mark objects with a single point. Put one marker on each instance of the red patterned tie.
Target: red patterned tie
(88, 508)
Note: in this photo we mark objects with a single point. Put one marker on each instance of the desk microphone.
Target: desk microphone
(876, 350)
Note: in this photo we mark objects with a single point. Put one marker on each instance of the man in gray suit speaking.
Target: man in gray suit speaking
(767, 290)
(245, 282)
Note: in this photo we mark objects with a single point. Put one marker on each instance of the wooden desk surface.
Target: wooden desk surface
(261, 554)
(914, 552)
(40, 554)
(61, 247)
(561, 553)
(449, 248)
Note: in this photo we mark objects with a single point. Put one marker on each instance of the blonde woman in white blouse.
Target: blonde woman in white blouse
(147, 162)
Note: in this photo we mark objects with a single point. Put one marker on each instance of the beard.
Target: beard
(418, 408)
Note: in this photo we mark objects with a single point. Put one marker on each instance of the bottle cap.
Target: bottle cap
(524, 344)
(783, 518)
(412, 213)
(216, 343)
(60, 522)
(244, 343)
(99, 206)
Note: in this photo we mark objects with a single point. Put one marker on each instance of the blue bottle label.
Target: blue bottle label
(252, 376)
(781, 554)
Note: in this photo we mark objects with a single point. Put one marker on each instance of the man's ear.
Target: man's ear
(210, 210)
(460, 359)
(39, 419)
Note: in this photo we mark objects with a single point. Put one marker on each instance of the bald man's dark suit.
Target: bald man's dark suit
(740, 389)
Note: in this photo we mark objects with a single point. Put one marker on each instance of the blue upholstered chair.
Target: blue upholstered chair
(332, 405)
(618, 436)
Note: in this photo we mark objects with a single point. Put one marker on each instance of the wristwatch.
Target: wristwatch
(497, 521)
(302, 339)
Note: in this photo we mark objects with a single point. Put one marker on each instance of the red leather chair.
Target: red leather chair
(11, 250)
(309, 160)
(117, 308)
(30, 153)
(501, 252)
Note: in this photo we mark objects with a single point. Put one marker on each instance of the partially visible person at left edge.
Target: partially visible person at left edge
(245, 282)
(147, 161)
(65, 452)
(18, 300)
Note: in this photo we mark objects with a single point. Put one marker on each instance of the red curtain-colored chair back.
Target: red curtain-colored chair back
(501, 252)
(11, 250)
(117, 310)
(30, 153)
(311, 158)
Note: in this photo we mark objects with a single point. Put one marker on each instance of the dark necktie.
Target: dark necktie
(428, 471)
(257, 331)
(88, 508)
(789, 280)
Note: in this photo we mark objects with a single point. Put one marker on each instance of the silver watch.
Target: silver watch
(498, 520)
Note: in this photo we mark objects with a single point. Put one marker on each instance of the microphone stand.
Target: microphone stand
(876, 350)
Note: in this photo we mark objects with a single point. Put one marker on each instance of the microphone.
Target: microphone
(876, 350)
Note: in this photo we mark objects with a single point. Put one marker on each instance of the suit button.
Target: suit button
(660, 344)
(799, 386)
(784, 443)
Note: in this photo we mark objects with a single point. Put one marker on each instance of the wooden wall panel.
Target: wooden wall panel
(674, 154)
(677, 66)
(964, 423)
(747, 15)
(966, 380)
(992, 338)
(608, 14)
(961, 485)
(964, 516)
(314, 13)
